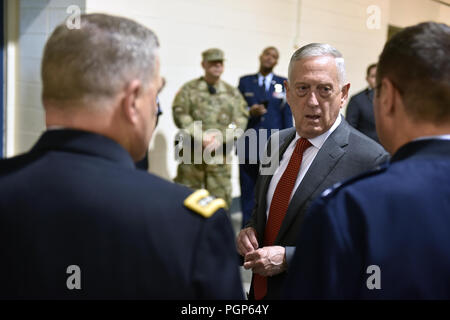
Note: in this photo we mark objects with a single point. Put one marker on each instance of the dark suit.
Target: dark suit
(360, 114)
(77, 199)
(345, 153)
(396, 218)
(278, 117)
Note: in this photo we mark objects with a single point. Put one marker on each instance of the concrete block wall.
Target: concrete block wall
(345, 27)
(37, 19)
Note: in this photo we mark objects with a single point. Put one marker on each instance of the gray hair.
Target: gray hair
(317, 50)
(98, 59)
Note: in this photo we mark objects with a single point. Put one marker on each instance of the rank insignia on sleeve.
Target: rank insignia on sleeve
(203, 203)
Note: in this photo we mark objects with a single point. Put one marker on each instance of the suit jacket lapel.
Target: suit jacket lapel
(325, 160)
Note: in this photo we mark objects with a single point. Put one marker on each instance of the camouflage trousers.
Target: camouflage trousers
(216, 178)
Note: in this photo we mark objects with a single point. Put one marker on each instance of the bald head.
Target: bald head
(268, 60)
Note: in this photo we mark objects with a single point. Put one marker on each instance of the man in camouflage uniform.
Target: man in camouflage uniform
(203, 104)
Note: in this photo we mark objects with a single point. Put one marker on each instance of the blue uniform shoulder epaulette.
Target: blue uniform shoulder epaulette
(203, 203)
(337, 186)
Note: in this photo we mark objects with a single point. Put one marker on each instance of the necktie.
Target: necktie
(279, 206)
(262, 88)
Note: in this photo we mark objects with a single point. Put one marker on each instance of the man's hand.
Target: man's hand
(267, 261)
(257, 110)
(246, 241)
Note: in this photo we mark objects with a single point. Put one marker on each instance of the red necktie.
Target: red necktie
(279, 206)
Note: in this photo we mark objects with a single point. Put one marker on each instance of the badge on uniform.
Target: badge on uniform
(203, 203)
(249, 94)
(278, 92)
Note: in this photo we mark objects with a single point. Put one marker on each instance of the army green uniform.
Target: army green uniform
(226, 109)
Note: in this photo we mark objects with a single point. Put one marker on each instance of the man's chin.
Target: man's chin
(311, 132)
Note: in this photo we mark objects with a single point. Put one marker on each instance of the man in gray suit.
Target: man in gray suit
(320, 151)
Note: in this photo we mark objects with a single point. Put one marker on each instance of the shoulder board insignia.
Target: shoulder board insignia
(203, 203)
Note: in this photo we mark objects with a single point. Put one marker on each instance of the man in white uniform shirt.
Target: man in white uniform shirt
(321, 150)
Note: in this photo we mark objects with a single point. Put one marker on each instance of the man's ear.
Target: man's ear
(286, 86)
(288, 91)
(387, 97)
(128, 103)
(344, 91)
(203, 64)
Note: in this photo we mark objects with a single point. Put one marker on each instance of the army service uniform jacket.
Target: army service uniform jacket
(78, 221)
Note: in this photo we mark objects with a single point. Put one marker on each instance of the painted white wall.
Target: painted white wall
(409, 12)
(343, 24)
(37, 19)
(444, 14)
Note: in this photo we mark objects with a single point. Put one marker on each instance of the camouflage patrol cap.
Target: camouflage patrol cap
(213, 54)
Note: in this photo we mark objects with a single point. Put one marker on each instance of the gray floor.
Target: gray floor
(246, 275)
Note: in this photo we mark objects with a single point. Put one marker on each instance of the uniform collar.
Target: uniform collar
(83, 142)
(267, 79)
(427, 147)
(437, 137)
(219, 86)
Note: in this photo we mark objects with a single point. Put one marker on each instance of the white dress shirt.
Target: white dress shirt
(51, 128)
(267, 80)
(438, 137)
(308, 158)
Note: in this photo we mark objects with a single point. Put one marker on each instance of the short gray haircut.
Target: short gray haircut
(318, 50)
(98, 59)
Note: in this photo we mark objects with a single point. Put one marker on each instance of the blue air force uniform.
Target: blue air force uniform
(76, 199)
(383, 235)
(259, 90)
